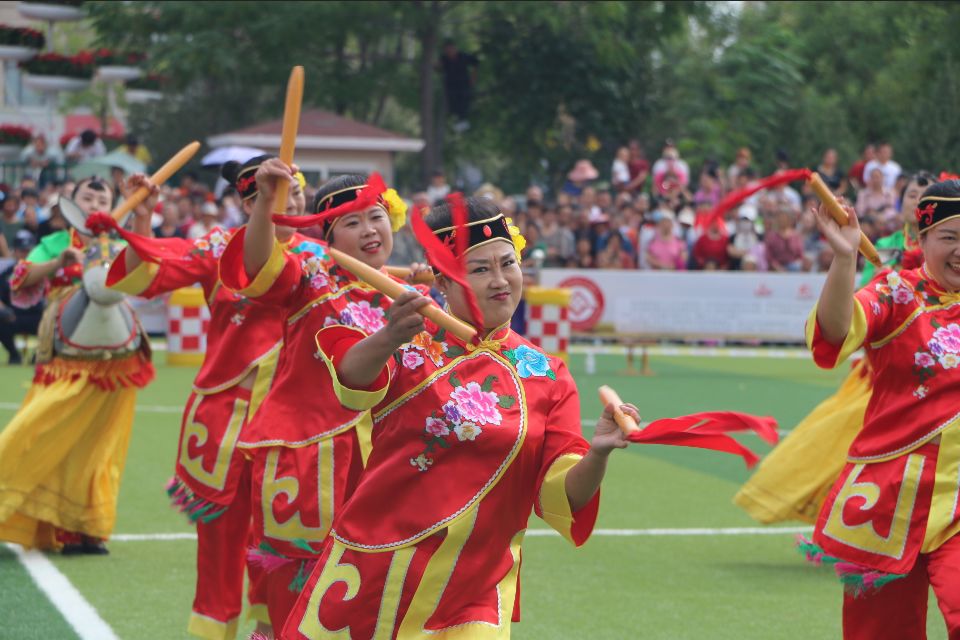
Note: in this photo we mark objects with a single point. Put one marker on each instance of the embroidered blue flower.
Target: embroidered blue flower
(530, 362)
(315, 248)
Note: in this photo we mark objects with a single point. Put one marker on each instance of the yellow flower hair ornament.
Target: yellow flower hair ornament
(519, 242)
(396, 209)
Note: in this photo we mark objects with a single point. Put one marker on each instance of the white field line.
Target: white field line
(78, 613)
(628, 533)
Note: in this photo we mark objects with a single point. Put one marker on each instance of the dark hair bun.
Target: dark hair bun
(230, 170)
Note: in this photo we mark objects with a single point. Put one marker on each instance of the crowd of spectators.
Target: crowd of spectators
(657, 215)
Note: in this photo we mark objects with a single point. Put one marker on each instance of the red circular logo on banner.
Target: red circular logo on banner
(586, 302)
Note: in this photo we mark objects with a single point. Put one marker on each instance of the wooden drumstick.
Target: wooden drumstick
(382, 283)
(625, 421)
(422, 277)
(288, 136)
(840, 216)
(162, 174)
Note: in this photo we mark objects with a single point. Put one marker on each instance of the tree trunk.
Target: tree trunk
(428, 34)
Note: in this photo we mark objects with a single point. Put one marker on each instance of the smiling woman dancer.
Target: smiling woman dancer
(212, 481)
(890, 523)
(469, 439)
(307, 450)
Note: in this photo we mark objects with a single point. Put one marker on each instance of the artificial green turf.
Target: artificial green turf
(740, 587)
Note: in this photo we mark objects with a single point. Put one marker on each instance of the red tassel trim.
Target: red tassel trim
(109, 375)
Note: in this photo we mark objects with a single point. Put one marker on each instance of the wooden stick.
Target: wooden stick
(826, 197)
(382, 283)
(625, 421)
(162, 174)
(423, 277)
(288, 137)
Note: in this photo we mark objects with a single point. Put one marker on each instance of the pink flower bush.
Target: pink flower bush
(948, 338)
(476, 405)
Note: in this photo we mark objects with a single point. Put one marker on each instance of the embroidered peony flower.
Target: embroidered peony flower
(949, 360)
(412, 359)
(883, 289)
(935, 348)
(902, 295)
(318, 281)
(475, 404)
(920, 392)
(435, 352)
(436, 427)
(313, 265)
(365, 317)
(893, 279)
(201, 244)
(948, 337)
(467, 431)
(531, 362)
(450, 413)
(329, 321)
(923, 359)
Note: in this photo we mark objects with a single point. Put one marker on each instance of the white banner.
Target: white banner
(694, 304)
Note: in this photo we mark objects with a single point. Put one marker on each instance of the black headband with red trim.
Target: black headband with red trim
(932, 210)
(478, 232)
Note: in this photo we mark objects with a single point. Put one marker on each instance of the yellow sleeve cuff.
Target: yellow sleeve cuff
(267, 275)
(138, 280)
(554, 504)
(856, 336)
(355, 399)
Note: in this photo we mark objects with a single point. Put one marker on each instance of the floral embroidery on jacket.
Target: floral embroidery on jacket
(896, 291)
(215, 243)
(459, 420)
(530, 362)
(942, 349)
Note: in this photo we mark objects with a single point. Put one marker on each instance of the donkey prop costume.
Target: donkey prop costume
(63, 453)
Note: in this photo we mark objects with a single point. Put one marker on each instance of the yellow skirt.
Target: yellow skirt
(63, 453)
(793, 480)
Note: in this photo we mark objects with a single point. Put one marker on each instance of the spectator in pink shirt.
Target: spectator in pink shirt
(666, 251)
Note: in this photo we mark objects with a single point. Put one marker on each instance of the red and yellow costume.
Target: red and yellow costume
(468, 440)
(63, 453)
(894, 509)
(212, 481)
(307, 450)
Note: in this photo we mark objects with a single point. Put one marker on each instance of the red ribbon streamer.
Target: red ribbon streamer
(709, 430)
(149, 249)
(441, 257)
(366, 198)
(734, 198)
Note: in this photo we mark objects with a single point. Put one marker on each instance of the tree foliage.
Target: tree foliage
(564, 80)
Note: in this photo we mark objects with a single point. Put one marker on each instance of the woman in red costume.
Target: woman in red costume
(307, 450)
(212, 481)
(890, 523)
(469, 438)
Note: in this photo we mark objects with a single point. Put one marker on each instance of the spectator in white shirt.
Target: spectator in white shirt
(85, 146)
(884, 161)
